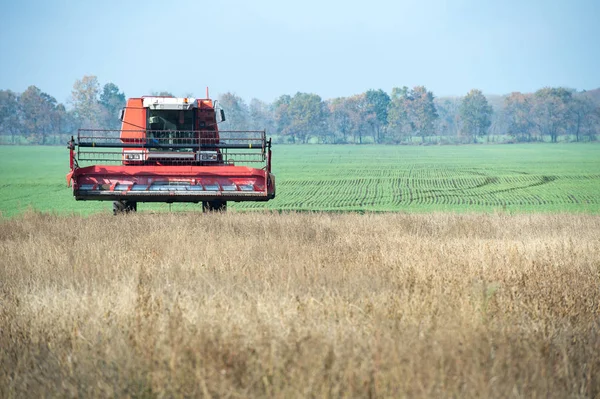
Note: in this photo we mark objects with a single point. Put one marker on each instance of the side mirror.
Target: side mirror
(222, 115)
(121, 114)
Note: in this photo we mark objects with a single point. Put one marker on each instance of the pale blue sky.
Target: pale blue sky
(265, 48)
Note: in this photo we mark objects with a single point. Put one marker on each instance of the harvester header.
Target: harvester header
(170, 150)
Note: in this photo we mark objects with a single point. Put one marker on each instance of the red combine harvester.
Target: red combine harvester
(171, 150)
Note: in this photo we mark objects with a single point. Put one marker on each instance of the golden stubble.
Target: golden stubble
(300, 304)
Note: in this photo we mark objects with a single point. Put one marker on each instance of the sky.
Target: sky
(265, 48)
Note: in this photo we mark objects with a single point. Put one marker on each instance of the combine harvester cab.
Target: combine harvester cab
(170, 150)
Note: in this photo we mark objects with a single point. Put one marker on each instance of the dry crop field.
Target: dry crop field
(300, 305)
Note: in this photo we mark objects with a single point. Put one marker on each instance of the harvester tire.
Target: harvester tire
(214, 206)
(121, 207)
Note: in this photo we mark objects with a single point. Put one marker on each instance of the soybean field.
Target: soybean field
(520, 178)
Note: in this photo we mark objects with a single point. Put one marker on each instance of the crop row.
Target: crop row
(428, 187)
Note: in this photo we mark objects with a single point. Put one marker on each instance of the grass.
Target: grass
(530, 178)
(463, 178)
(300, 305)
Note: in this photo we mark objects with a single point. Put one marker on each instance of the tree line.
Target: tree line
(36, 117)
(403, 116)
(416, 116)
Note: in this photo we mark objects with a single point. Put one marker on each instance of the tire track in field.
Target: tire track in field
(470, 199)
(460, 183)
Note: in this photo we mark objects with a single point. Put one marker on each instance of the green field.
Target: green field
(529, 178)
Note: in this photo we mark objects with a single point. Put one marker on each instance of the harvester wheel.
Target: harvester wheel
(120, 207)
(214, 206)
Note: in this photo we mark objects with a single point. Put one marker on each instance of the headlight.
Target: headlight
(209, 156)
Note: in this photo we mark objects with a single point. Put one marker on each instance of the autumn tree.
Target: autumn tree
(340, 123)
(412, 112)
(475, 115)
(352, 119)
(84, 98)
(518, 113)
(422, 112)
(552, 111)
(281, 115)
(361, 116)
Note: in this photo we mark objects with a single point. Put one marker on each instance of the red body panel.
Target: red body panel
(134, 119)
(173, 183)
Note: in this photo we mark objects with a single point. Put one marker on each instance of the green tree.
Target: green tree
(360, 116)
(112, 101)
(498, 123)
(307, 113)
(32, 112)
(163, 93)
(585, 117)
(475, 115)
(40, 115)
(61, 122)
(10, 114)
(378, 103)
(236, 110)
(261, 116)
(399, 122)
(447, 124)
(339, 121)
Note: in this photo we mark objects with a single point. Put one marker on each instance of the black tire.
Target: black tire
(214, 206)
(122, 207)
